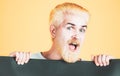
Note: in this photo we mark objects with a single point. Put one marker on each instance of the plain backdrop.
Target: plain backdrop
(24, 26)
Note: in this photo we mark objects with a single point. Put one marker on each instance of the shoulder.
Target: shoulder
(37, 56)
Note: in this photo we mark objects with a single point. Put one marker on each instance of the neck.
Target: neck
(52, 54)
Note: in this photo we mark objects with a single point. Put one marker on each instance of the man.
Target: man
(68, 24)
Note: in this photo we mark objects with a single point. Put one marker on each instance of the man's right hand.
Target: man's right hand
(21, 57)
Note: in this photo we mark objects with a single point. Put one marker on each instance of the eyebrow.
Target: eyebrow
(75, 25)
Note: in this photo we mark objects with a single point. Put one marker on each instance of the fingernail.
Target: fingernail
(26, 61)
(22, 63)
(97, 64)
(18, 63)
(101, 64)
(105, 65)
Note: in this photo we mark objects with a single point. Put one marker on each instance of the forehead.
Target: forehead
(76, 18)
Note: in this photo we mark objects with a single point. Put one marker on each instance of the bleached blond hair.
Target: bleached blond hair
(58, 13)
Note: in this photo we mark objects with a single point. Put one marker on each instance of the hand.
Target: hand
(21, 57)
(102, 60)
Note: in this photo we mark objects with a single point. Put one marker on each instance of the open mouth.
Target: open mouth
(73, 46)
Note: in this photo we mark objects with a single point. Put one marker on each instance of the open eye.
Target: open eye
(70, 28)
(82, 30)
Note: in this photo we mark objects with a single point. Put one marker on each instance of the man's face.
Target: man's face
(70, 35)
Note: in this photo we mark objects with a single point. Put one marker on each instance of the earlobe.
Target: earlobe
(52, 31)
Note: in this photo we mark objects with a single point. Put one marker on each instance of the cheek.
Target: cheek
(60, 36)
(66, 35)
(82, 38)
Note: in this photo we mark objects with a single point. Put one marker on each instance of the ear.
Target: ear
(52, 31)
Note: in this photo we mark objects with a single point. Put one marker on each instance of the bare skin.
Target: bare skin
(68, 38)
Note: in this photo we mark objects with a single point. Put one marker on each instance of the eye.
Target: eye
(82, 30)
(70, 28)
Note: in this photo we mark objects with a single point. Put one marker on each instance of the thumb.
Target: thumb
(92, 57)
(13, 54)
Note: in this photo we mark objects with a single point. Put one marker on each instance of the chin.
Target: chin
(70, 60)
(69, 56)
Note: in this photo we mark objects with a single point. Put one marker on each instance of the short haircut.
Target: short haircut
(58, 13)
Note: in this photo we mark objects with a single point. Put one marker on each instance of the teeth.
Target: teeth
(74, 43)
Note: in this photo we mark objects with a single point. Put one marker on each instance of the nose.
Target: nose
(75, 36)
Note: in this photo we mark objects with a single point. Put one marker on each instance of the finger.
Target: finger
(27, 57)
(20, 57)
(92, 57)
(13, 54)
(23, 58)
(96, 60)
(104, 60)
(17, 55)
(108, 58)
(100, 60)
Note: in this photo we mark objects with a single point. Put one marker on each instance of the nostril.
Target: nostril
(75, 37)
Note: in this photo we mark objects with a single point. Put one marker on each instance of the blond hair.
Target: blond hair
(58, 13)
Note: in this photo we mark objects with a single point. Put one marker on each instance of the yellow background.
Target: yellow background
(24, 26)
